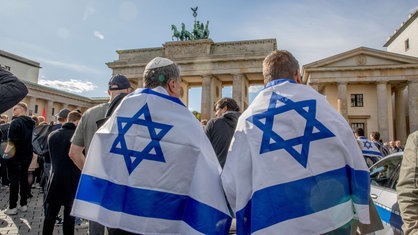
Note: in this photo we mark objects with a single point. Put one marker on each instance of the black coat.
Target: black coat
(220, 132)
(64, 176)
(11, 90)
(20, 134)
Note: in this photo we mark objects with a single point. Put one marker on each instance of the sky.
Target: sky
(74, 39)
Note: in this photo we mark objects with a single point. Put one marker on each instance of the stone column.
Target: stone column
(140, 82)
(314, 86)
(342, 100)
(400, 122)
(184, 92)
(32, 103)
(216, 94)
(382, 110)
(206, 106)
(240, 90)
(413, 105)
(49, 106)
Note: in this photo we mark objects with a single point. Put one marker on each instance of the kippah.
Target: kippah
(158, 62)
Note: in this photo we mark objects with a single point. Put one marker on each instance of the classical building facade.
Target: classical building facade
(206, 64)
(42, 99)
(372, 89)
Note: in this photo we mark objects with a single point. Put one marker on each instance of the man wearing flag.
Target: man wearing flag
(151, 168)
(369, 150)
(294, 166)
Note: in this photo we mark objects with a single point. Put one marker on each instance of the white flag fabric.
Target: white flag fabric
(294, 166)
(368, 148)
(151, 170)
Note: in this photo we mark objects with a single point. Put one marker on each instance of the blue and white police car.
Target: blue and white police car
(384, 176)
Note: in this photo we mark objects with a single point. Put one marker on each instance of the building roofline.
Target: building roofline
(404, 25)
(20, 59)
(56, 91)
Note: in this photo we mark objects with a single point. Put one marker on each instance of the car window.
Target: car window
(394, 180)
(370, 160)
(386, 172)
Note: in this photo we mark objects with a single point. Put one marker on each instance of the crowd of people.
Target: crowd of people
(142, 163)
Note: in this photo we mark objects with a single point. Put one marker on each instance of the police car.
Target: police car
(384, 176)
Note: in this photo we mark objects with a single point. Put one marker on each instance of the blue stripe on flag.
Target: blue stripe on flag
(373, 153)
(154, 204)
(389, 217)
(298, 198)
(151, 92)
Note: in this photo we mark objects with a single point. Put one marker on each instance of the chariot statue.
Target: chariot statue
(200, 31)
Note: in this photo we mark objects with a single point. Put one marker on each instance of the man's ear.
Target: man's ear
(225, 109)
(297, 77)
(171, 87)
(170, 84)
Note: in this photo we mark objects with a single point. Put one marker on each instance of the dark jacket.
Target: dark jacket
(220, 131)
(64, 176)
(11, 90)
(20, 134)
(4, 129)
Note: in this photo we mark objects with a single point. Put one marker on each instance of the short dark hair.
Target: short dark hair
(23, 105)
(359, 132)
(375, 135)
(74, 116)
(231, 104)
(278, 65)
(35, 118)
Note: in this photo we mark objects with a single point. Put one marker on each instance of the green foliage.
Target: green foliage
(196, 114)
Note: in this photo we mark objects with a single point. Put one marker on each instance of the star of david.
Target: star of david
(367, 144)
(272, 141)
(152, 151)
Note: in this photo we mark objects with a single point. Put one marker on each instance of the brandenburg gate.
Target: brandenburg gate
(203, 63)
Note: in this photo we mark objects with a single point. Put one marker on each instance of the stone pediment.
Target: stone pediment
(362, 57)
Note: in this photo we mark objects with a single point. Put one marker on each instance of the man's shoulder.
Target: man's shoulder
(4, 126)
(97, 108)
(414, 136)
(54, 134)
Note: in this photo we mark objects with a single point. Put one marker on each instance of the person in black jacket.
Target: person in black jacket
(4, 129)
(12, 90)
(221, 129)
(64, 176)
(19, 153)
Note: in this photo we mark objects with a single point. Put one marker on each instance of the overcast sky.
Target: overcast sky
(73, 39)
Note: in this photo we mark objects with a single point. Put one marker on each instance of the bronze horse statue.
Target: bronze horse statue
(176, 33)
(186, 35)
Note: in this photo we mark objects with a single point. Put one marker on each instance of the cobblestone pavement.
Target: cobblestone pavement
(29, 222)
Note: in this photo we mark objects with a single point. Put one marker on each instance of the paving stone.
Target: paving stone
(30, 222)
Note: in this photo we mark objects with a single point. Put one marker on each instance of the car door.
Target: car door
(384, 176)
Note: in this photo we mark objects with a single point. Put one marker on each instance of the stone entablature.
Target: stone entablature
(204, 63)
(43, 92)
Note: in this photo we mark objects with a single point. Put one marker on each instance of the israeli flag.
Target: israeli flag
(368, 148)
(151, 170)
(294, 166)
